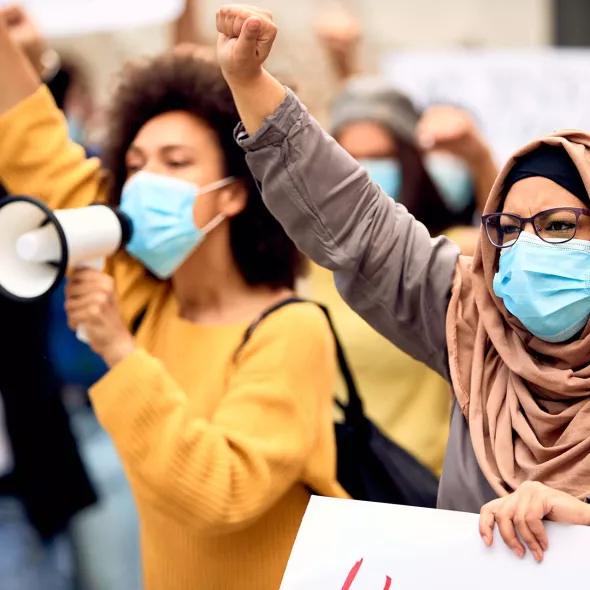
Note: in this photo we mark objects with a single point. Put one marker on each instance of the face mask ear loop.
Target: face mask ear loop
(217, 185)
(209, 227)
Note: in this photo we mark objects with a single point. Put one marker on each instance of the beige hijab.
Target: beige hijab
(527, 401)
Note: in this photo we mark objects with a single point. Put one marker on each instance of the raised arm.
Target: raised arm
(386, 265)
(37, 157)
(19, 78)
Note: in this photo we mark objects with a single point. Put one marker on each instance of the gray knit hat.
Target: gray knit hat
(370, 99)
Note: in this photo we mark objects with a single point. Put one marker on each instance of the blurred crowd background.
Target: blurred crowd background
(381, 27)
(483, 77)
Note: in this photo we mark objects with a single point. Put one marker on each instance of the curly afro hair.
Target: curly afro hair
(179, 81)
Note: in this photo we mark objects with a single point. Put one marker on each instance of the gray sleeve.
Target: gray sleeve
(386, 266)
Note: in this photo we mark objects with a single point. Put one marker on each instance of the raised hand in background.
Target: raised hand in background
(19, 77)
(339, 34)
(27, 37)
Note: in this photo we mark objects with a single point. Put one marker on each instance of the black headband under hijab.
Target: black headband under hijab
(552, 162)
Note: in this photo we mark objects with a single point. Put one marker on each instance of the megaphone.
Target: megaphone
(38, 245)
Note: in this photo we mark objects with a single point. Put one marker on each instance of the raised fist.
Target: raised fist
(246, 35)
(23, 32)
(448, 128)
(339, 32)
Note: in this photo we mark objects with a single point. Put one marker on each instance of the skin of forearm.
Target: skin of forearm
(257, 99)
(19, 78)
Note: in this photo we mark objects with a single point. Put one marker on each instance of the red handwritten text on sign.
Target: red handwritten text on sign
(353, 574)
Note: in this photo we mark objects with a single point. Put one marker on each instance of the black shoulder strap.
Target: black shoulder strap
(354, 408)
(136, 323)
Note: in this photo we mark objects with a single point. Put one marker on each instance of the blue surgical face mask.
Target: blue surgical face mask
(546, 286)
(387, 173)
(161, 210)
(76, 129)
(453, 180)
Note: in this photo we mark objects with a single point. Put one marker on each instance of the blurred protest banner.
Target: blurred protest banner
(67, 18)
(515, 95)
(349, 545)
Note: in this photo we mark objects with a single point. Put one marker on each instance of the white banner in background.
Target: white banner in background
(349, 545)
(516, 95)
(67, 18)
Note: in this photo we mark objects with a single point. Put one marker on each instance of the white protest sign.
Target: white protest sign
(350, 545)
(66, 18)
(516, 95)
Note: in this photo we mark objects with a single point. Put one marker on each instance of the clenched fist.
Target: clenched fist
(26, 36)
(451, 129)
(246, 35)
(91, 302)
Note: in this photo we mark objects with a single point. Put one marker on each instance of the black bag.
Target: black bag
(370, 466)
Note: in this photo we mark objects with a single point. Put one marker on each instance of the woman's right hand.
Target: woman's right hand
(523, 512)
(246, 36)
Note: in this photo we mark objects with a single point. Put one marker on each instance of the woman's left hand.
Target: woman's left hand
(524, 510)
(91, 302)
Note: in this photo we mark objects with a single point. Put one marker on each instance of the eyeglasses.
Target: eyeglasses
(555, 226)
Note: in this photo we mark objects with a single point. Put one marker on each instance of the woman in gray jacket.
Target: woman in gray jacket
(508, 328)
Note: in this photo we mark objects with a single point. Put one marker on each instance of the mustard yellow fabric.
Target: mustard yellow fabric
(219, 453)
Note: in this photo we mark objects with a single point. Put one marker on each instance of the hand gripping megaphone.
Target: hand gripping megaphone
(38, 245)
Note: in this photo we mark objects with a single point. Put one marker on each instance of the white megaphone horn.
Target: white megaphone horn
(38, 245)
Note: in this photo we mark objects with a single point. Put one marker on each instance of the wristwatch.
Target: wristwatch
(51, 64)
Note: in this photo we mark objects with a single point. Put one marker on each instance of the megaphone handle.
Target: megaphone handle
(96, 264)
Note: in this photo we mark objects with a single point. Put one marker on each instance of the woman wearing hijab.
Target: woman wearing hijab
(509, 328)
(410, 402)
(440, 168)
(381, 128)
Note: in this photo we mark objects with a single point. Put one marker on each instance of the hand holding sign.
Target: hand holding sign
(405, 547)
(524, 510)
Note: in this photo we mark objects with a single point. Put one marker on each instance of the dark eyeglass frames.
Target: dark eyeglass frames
(555, 226)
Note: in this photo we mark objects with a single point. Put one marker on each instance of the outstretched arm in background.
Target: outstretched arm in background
(339, 33)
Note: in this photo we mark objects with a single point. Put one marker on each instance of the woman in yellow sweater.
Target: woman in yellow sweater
(221, 453)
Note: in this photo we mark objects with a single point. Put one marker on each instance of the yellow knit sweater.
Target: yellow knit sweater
(219, 453)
